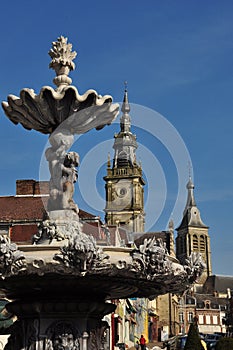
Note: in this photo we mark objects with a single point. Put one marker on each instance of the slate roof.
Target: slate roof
(215, 301)
(218, 283)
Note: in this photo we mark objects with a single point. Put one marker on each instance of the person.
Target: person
(203, 343)
(137, 345)
(142, 342)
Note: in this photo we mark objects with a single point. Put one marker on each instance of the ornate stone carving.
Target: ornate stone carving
(63, 171)
(50, 108)
(47, 231)
(62, 113)
(12, 260)
(82, 253)
(194, 266)
(61, 53)
(62, 336)
(151, 258)
(62, 61)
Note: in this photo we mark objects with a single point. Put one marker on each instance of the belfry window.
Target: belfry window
(202, 243)
(195, 243)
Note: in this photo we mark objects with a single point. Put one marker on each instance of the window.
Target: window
(207, 319)
(202, 243)
(181, 317)
(190, 301)
(200, 319)
(215, 319)
(190, 317)
(195, 243)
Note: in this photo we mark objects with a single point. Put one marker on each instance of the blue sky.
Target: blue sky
(177, 59)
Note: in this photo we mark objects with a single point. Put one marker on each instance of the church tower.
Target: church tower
(124, 181)
(193, 234)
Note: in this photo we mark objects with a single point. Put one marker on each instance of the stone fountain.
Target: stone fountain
(62, 284)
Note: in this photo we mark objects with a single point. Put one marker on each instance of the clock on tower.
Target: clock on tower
(124, 181)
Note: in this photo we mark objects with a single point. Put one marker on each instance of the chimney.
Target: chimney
(31, 188)
(24, 187)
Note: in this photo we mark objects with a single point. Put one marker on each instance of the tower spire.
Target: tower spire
(125, 119)
(191, 214)
(190, 199)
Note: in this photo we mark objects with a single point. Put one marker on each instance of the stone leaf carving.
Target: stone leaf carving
(82, 253)
(61, 54)
(151, 258)
(49, 230)
(194, 266)
(12, 260)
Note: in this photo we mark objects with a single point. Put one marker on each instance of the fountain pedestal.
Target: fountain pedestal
(58, 324)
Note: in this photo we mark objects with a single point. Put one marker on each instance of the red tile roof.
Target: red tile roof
(22, 208)
(28, 209)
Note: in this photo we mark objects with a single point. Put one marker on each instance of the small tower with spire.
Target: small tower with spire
(193, 234)
(124, 181)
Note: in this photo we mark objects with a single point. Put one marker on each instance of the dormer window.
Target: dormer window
(207, 304)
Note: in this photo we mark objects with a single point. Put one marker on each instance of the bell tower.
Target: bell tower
(193, 234)
(124, 181)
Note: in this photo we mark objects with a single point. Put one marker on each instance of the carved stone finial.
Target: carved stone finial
(62, 61)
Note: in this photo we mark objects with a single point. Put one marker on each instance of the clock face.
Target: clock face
(121, 192)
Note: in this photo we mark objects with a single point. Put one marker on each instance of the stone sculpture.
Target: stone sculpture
(62, 113)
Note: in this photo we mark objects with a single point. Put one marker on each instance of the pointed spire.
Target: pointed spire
(190, 200)
(125, 105)
(191, 214)
(125, 119)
